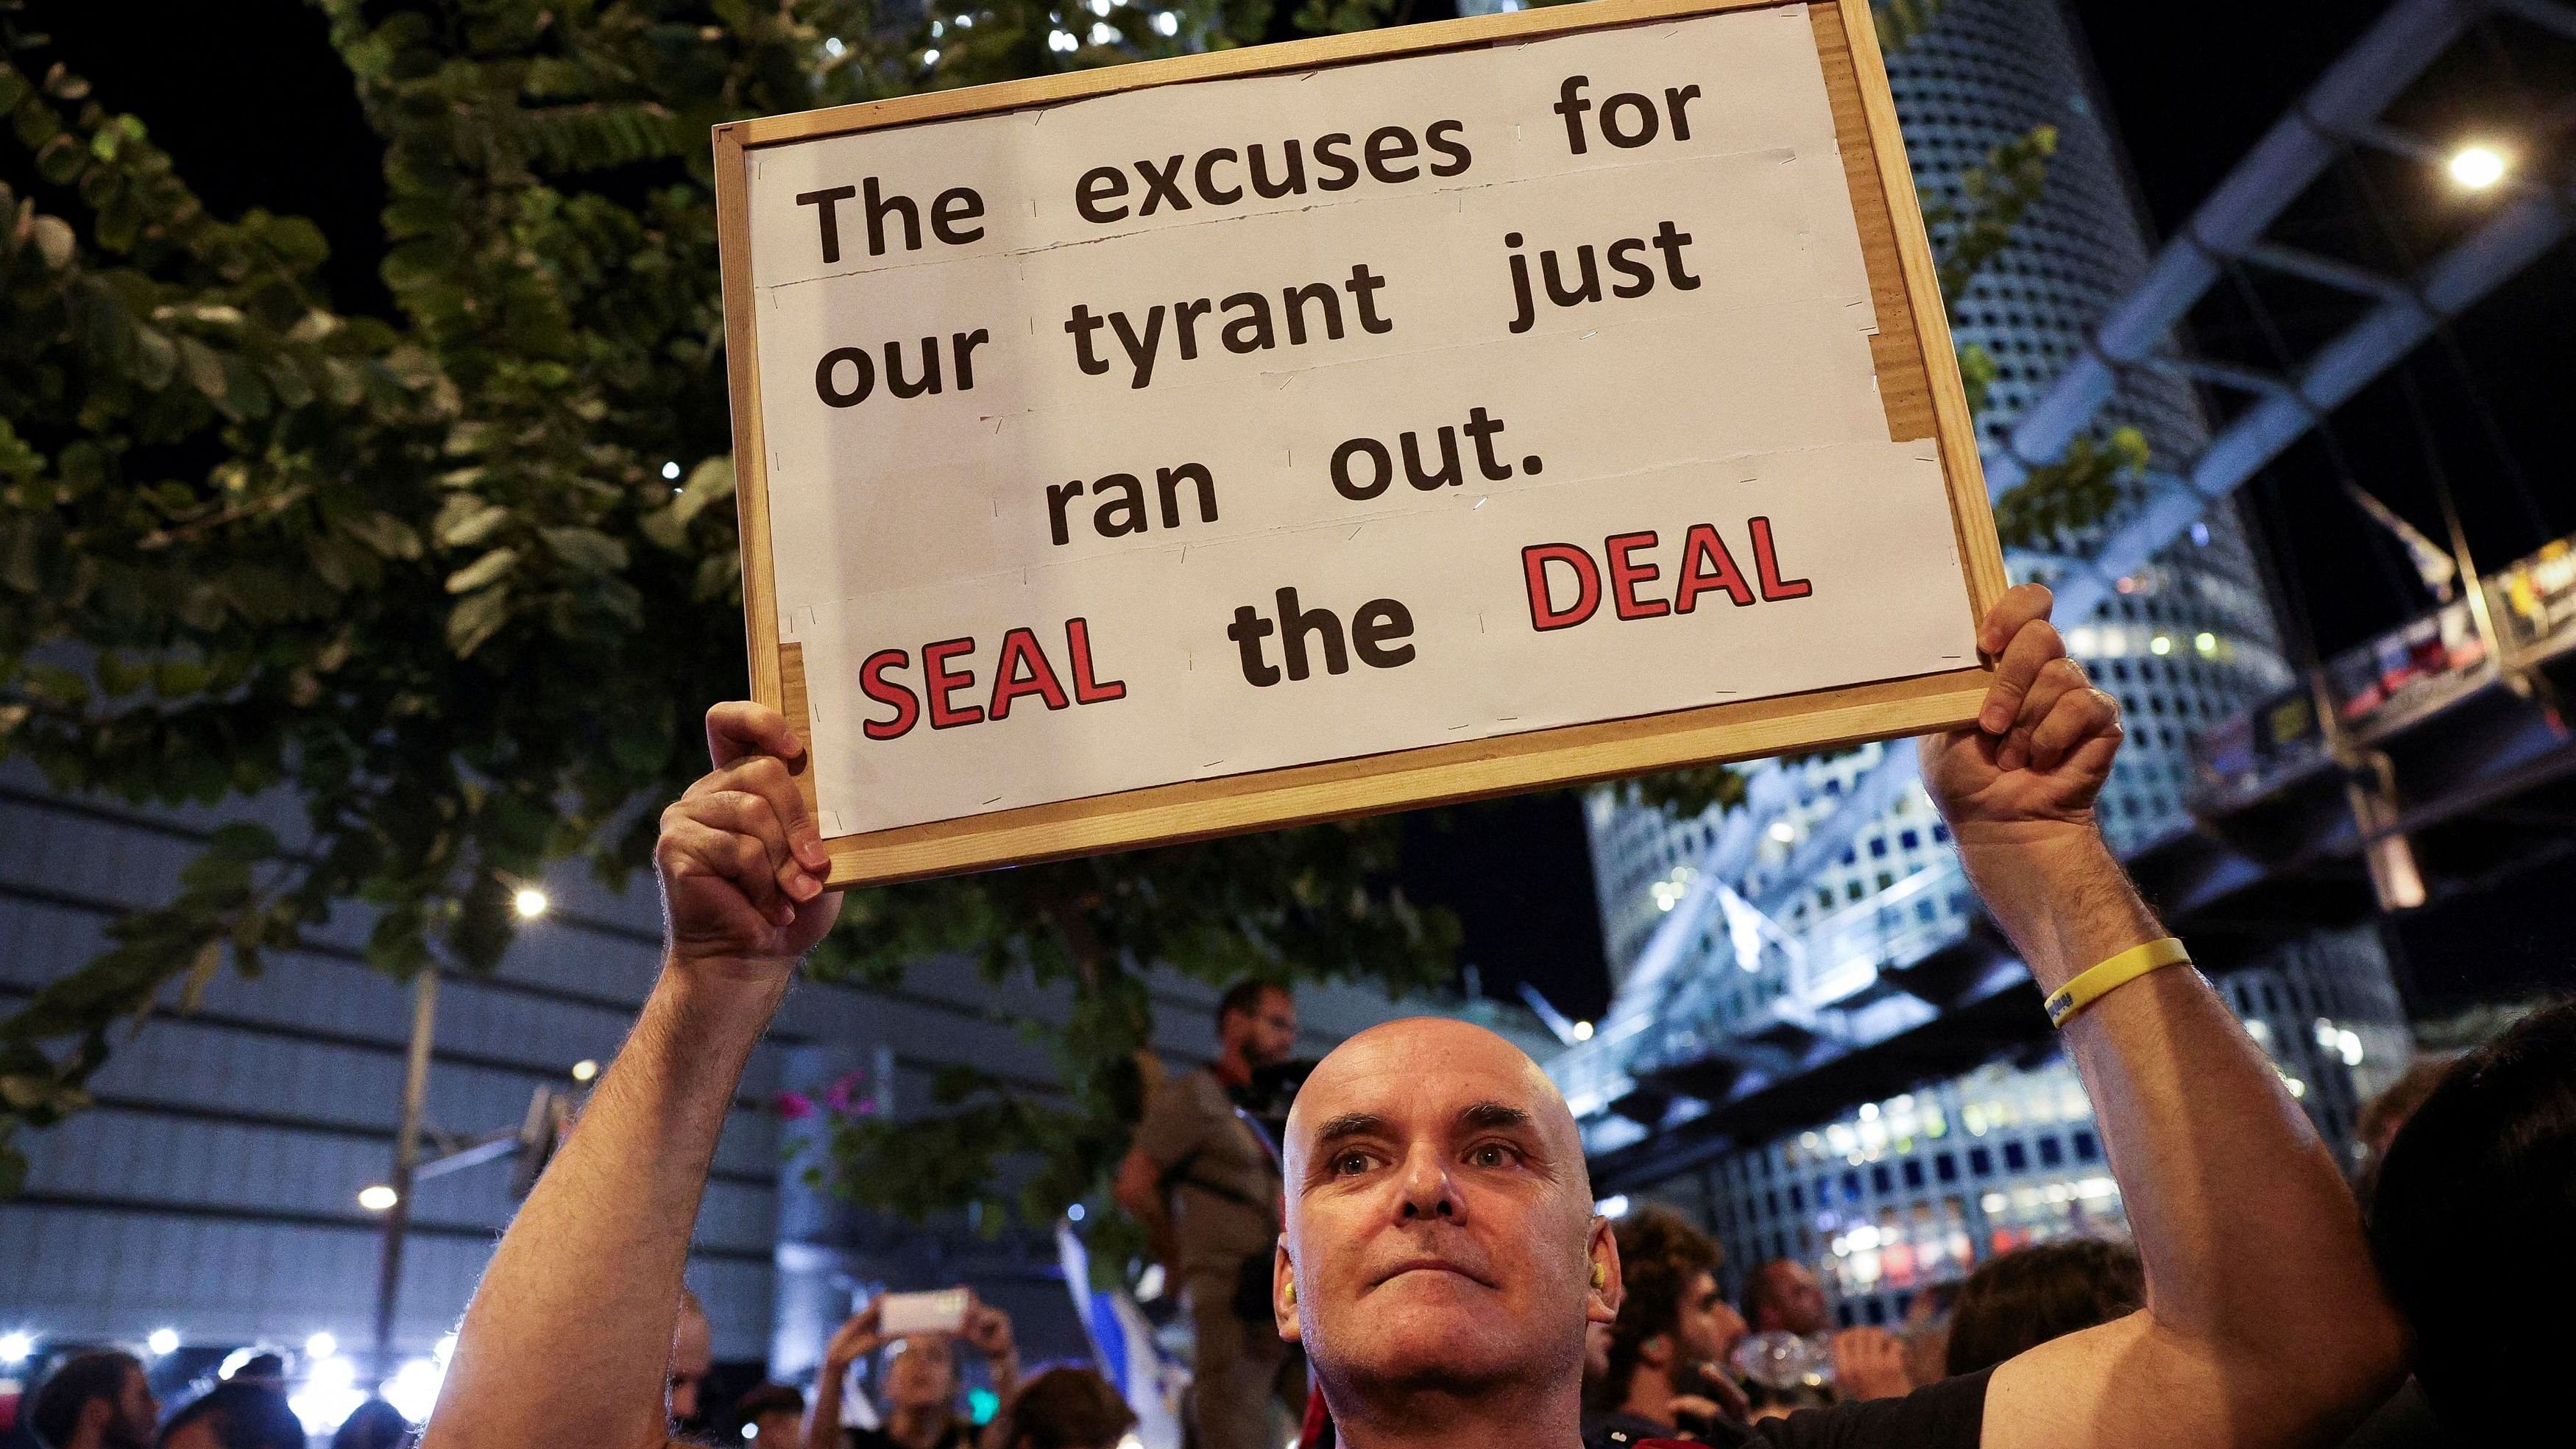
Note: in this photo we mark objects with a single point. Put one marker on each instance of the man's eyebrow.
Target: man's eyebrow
(1349, 1124)
(1494, 1115)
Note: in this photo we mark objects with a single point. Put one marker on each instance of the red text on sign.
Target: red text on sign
(1567, 583)
(952, 696)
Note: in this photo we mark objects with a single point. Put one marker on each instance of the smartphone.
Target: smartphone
(943, 1311)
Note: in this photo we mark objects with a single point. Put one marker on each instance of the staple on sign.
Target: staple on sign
(996, 800)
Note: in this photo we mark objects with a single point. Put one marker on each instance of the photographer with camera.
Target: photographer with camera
(1206, 1188)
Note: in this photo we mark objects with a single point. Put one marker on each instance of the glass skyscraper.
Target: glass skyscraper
(1914, 1190)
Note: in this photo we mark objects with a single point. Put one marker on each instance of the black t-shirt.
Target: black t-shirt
(1948, 1415)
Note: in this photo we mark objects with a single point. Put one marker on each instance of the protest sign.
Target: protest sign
(1141, 454)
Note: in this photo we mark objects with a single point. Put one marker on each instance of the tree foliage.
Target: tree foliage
(426, 573)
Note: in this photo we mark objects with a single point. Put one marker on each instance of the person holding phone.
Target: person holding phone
(918, 1399)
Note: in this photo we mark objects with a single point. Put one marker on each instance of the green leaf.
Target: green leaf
(465, 520)
(482, 571)
(708, 482)
(156, 357)
(475, 619)
(585, 549)
(386, 534)
(192, 987)
(55, 241)
(61, 160)
(203, 368)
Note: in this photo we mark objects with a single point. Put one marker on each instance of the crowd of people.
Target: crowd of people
(1414, 1258)
(103, 1399)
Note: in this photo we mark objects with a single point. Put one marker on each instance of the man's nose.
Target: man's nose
(1429, 1193)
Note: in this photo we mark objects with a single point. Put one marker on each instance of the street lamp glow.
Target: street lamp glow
(1583, 1031)
(1783, 832)
(584, 1070)
(376, 1197)
(323, 1345)
(14, 1347)
(2477, 167)
(530, 903)
(162, 1341)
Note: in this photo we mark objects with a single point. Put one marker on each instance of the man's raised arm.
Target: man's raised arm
(2264, 1325)
(568, 1339)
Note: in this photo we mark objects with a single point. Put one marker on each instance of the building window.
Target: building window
(1796, 1204)
(1946, 1167)
(1913, 1173)
(2050, 1153)
(1851, 1185)
(1981, 1162)
(1879, 1180)
(2016, 1157)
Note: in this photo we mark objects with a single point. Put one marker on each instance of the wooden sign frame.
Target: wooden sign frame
(1919, 385)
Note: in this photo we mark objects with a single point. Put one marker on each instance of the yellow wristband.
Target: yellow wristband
(2089, 986)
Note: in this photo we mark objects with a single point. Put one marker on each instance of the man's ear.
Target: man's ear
(1601, 1304)
(1283, 1294)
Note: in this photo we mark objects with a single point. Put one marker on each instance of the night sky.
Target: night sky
(255, 108)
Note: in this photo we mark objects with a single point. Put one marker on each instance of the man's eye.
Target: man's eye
(1492, 1154)
(1351, 1162)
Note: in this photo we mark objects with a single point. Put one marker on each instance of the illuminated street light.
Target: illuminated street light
(584, 1070)
(376, 1197)
(530, 903)
(1583, 1031)
(2477, 167)
(162, 1342)
(321, 1345)
(14, 1347)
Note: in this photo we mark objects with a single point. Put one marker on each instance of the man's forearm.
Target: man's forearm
(2253, 1249)
(572, 1323)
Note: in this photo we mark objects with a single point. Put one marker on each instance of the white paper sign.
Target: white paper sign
(1237, 424)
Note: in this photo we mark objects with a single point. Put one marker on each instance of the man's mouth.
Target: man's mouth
(1432, 1265)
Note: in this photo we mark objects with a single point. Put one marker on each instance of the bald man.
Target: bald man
(1440, 1261)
